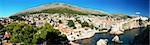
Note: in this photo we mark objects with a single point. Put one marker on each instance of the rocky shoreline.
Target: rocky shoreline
(105, 43)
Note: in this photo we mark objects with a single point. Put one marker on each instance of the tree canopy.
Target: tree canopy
(85, 24)
(30, 34)
(71, 23)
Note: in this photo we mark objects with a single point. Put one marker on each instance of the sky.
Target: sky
(129, 7)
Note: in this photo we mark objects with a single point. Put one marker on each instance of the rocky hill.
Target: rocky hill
(59, 8)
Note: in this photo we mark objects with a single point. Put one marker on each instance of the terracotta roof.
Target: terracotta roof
(7, 35)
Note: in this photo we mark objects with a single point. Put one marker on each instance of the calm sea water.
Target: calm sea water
(127, 37)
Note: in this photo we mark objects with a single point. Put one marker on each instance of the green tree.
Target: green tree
(1, 29)
(91, 26)
(29, 34)
(1, 26)
(84, 24)
(60, 21)
(79, 21)
(71, 23)
(51, 35)
(17, 17)
(21, 32)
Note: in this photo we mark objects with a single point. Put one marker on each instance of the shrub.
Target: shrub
(71, 23)
(85, 24)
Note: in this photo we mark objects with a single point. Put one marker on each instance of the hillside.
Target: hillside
(65, 9)
(59, 8)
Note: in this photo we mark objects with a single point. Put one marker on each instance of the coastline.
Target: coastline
(97, 32)
(127, 37)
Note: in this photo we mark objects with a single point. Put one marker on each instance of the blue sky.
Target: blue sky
(10, 7)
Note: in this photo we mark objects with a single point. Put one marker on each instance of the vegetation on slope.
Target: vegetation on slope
(120, 16)
(15, 17)
(30, 34)
(56, 10)
(101, 15)
(63, 10)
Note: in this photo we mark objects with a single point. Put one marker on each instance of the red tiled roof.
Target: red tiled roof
(7, 35)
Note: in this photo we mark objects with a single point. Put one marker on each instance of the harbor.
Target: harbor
(127, 38)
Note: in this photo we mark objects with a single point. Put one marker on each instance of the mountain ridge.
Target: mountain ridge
(60, 5)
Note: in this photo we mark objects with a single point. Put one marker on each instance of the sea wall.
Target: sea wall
(130, 24)
(135, 24)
